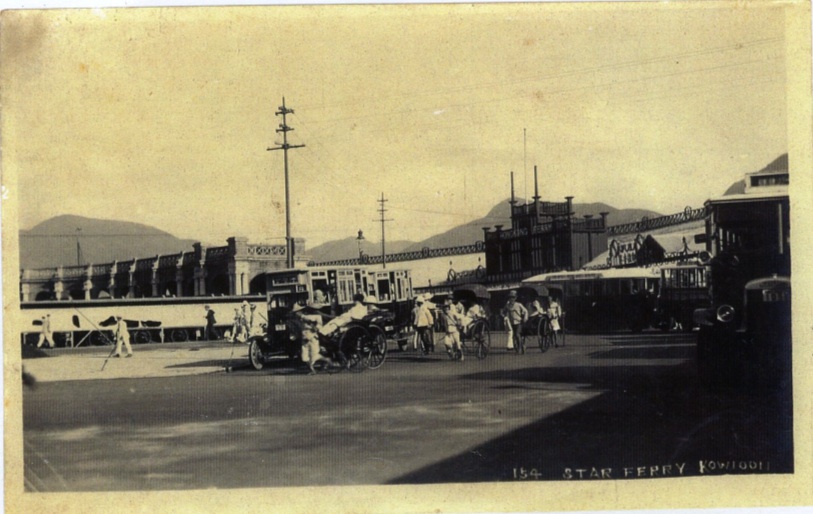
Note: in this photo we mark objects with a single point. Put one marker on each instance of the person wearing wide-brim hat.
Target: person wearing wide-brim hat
(311, 321)
(372, 304)
(46, 335)
(451, 320)
(515, 315)
(423, 321)
(122, 337)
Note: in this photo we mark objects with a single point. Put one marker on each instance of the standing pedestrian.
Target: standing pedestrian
(45, 332)
(451, 320)
(508, 330)
(210, 334)
(311, 353)
(122, 337)
(413, 321)
(246, 320)
(237, 328)
(517, 314)
(424, 324)
(554, 313)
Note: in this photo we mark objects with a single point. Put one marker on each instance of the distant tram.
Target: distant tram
(604, 300)
(334, 287)
(80, 322)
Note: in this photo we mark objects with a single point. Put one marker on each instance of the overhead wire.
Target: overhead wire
(566, 73)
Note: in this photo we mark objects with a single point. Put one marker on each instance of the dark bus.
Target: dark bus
(683, 289)
(745, 336)
(604, 300)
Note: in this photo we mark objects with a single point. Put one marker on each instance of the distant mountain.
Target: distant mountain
(778, 164)
(472, 231)
(349, 249)
(54, 242)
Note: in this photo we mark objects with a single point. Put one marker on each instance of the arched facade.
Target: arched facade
(204, 271)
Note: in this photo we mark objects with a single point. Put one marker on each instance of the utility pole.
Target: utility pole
(381, 211)
(284, 128)
(525, 164)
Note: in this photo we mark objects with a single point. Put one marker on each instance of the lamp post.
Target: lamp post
(360, 238)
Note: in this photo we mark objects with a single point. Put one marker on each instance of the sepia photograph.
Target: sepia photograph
(488, 257)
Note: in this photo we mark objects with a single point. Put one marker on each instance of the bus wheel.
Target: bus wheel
(99, 338)
(62, 339)
(178, 335)
(142, 337)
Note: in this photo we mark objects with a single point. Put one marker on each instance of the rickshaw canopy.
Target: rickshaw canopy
(472, 291)
(533, 290)
(438, 298)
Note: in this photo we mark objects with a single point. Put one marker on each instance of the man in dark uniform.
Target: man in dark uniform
(211, 332)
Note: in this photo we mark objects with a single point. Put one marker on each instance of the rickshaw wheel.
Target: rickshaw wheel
(545, 335)
(352, 343)
(255, 355)
(482, 340)
(376, 351)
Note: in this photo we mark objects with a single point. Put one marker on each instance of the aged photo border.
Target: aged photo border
(730, 491)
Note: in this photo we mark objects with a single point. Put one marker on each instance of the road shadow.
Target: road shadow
(649, 339)
(209, 363)
(648, 422)
(649, 352)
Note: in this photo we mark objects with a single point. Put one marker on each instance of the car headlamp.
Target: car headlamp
(725, 313)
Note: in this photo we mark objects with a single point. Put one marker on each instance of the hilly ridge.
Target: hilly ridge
(54, 242)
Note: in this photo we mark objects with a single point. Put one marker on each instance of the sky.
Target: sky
(164, 116)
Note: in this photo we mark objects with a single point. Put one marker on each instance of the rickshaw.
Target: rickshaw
(358, 345)
(539, 326)
(475, 338)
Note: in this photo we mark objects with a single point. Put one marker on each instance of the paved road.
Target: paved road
(623, 406)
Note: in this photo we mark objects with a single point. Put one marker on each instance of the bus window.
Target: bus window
(383, 289)
(321, 291)
(401, 286)
(345, 287)
(626, 286)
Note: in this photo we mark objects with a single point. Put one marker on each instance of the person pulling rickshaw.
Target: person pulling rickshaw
(473, 322)
(542, 322)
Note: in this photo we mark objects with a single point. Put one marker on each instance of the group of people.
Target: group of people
(243, 325)
(314, 330)
(515, 314)
(455, 319)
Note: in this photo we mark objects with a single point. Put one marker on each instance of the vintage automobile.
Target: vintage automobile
(360, 344)
(747, 343)
(744, 336)
(356, 345)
